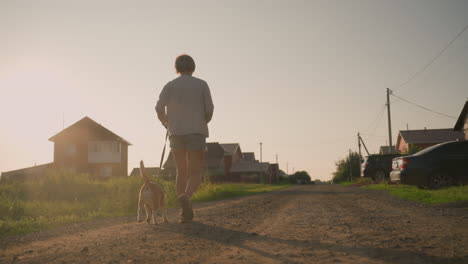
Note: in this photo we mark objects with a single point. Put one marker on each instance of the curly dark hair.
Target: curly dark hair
(184, 64)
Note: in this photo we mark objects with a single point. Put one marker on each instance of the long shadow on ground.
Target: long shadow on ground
(238, 239)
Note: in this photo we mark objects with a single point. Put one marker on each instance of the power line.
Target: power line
(422, 107)
(371, 135)
(433, 60)
(373, 124)
(377, 125)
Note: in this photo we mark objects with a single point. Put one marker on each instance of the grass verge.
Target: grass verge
(61, 198)
(347, 183)
(407, 192)
(210, 192)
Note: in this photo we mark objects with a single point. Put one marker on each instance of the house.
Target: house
(249, 156)
(462, 121)
(424, 138)
(386, 150)
(253, 172)
(27, 173)
(232, 154)
(227, 162)
(88, 147)
(214, 162)
(150, 171)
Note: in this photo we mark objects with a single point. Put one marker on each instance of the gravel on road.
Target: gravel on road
(300, 224)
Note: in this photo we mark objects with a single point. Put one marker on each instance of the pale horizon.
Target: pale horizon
(301, 77)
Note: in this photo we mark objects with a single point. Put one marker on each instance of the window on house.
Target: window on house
(115, 147)
(104, 146)
(70, 149)
(105, 172)
(93, 146)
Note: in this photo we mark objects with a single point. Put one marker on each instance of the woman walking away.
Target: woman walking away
(185, 107)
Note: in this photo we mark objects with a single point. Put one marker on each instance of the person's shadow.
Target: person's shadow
(236, 238)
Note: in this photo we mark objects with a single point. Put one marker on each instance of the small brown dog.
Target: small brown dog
(151, 197)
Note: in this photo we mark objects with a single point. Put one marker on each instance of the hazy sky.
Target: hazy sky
(303, 77)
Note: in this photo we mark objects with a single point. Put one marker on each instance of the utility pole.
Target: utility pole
(350, 167)
(261, 151)
(277, 173)
(287, 168)
(364, 145)
(360, 156)
(389, 121)
(359, 144)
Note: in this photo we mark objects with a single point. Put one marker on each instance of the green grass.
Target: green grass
(447, 195)
(347, 183)
(209, 191)
(355, 181)
(66, 198)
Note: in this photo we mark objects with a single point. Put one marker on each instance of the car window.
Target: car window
(445, 148)
(456, 149)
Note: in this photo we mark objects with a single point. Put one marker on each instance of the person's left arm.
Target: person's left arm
(209, 107)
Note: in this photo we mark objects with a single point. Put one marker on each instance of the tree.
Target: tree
(413, 149)
(300, 177)
(351, 162)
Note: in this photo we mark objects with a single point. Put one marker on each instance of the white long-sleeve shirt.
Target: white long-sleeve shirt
(186, 104)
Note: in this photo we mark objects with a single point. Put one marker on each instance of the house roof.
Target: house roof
(230, 148)
(28, 171)
(461, 118)
(249, 156)
(152, 171)
(387, 150)
(250, 167)
(431, 135)
(89, 125)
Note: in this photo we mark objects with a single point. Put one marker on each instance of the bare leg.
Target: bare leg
(139, 211)
(163, 210)
(148, 213)
(195, 165)
(154, 212)
(180, 158)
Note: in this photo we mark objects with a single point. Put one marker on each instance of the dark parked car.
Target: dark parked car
(434, 167)
(377, 167)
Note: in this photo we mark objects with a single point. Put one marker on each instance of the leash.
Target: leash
(163, 152)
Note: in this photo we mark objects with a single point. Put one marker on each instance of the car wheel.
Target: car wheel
(439, 180)
(379, 176)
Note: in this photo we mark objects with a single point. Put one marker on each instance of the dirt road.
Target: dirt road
(302, 224)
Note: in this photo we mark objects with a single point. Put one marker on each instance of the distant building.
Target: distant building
(424, 138)
(150, 171)
(27, 173)
(462, 121)
(227, 163)
(213, 166)
(88, 147)
(252, 172)
(83, 147)
(249, 156)
(232, 154)
(386, 150)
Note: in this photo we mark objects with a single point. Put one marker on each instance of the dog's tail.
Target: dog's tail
(143, 172)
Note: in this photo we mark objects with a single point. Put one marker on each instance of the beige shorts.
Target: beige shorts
(195, 142)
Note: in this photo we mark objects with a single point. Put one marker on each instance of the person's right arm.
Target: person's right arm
(161, 105)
